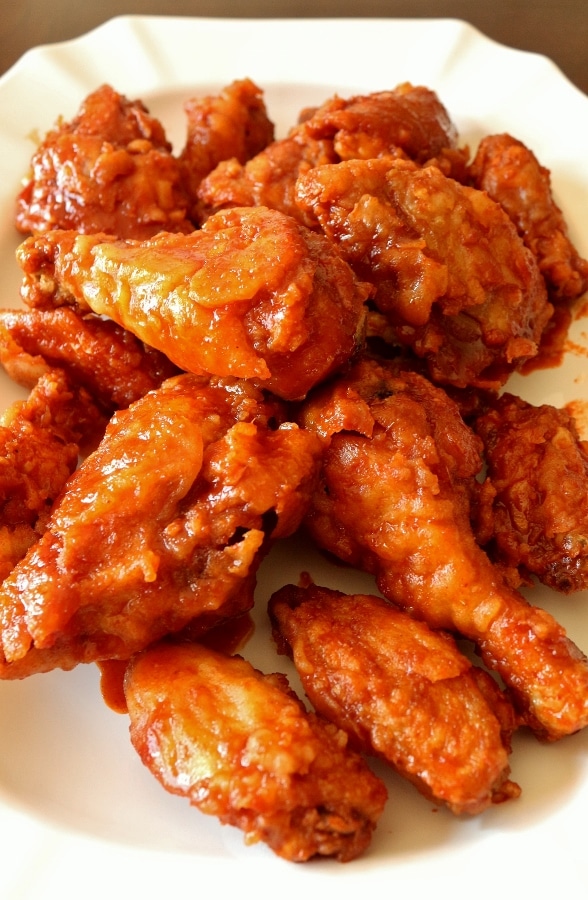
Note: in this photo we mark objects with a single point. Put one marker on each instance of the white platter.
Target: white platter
(79, 816)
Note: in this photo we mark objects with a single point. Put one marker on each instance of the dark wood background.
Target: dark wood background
(557, 29)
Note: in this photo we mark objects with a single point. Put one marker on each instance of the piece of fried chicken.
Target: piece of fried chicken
(252, 295)
(409, 122)
(395, 501)
(512, 175)
(110, 170)
(402, 691)
(233, 124)
(40, 440)
(164, 523)
(239, 745)
(109, 362)
(453, 278)
(533, 511)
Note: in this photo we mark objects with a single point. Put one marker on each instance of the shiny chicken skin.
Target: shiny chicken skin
(533, 514)
(512, 175)
(453, 278)
(408, 121)
(109, 362)
(165, 523)
(110, 169)
(40, 440)
(395, 501)
(233, 124)
(402, 691)
(240, 745)
(252, 295)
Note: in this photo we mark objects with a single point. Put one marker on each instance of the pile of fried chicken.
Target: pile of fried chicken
(258, 335)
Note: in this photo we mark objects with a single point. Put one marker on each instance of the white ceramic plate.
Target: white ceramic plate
(79, 816)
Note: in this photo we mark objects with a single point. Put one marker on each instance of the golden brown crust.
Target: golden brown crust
(453, 279)
(239, 745)
(401, 691)
(164, 522)
(392, 503)
(252, 295)
(108, 170)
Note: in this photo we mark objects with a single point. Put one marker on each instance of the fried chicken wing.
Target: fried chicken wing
(407, 122)
(110, 169)
(110, 362)
(268, 179)
(40, 440)
(239, 745)
(394, 501)
(164, 523)
(512, 175)
(534, 504)
(252, 294)
(402, 691)
(453, 278)
(231, 125)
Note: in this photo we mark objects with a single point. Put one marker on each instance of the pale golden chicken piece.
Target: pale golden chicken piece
(109, 362)
(453, 278)
(110, 169)
(512, 175)
(40, 440)
(233, 124)
(401, 691)
(252, 295)
(533, 512)
(409, 122)
(395, 501)
(164, 523)
(239, 745)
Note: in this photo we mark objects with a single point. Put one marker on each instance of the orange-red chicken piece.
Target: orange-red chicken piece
(165, 523)
(395, 500)
(239, 745)
(252, 294)
(402, 691)
(110, 169)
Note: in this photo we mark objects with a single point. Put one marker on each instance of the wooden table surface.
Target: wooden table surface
(557, 29)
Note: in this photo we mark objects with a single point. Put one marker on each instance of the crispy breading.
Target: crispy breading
(233, 124)
(395, 501)
(513, 176)
(453, 278)
(110, 169)
(252, 294)
(402, 691)
(533, 516)
(165, 522)
(240, 745)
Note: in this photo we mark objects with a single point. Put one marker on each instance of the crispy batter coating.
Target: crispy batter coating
(110, 169)
(233, 124)
(534, 503)
(394, 501)
(454, 280)
(268, 179)
(407, 122)
(239, 745)
(97, 354)
(39, 445)
(165, 522)
(402, 691)
(512, 175)
(252, 295)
